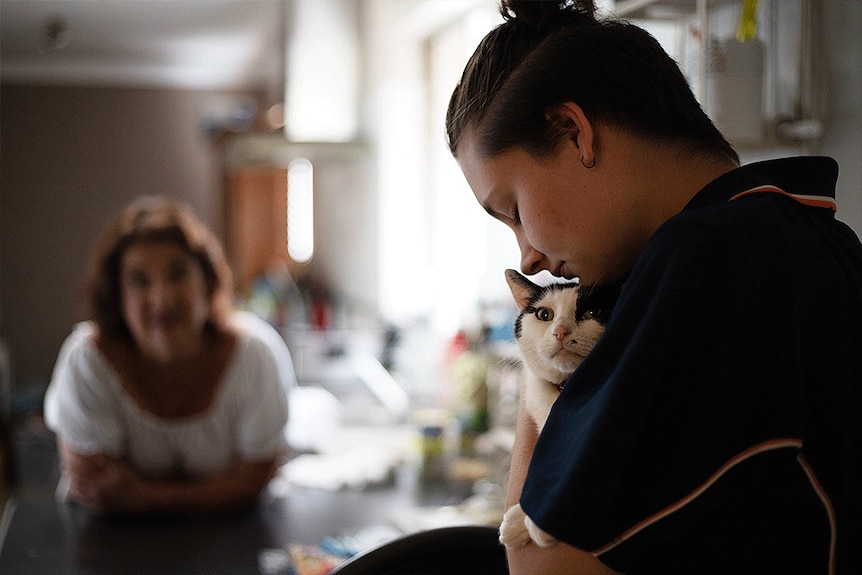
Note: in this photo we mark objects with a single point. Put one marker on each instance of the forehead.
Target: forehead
(559, 294)
(151, 250)
(471, 164)
(484, 173)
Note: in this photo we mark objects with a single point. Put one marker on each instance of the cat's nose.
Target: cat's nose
(561, 332)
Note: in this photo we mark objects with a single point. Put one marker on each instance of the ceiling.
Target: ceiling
(191, 44)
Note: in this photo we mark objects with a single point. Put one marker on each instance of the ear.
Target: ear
(522, 288)
(571, 118)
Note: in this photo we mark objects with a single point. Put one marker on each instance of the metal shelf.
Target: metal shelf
(792, 100)
(665, 9)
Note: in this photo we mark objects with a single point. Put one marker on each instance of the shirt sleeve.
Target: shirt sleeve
(268, 372)
(689, 375)
(81, 405)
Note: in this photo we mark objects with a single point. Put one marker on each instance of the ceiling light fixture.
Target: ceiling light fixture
(55, 36)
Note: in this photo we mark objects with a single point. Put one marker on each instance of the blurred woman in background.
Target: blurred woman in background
(166, 401)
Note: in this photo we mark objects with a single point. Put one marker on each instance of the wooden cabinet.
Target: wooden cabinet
(256, 227)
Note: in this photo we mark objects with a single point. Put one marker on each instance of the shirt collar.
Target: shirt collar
(809, 175)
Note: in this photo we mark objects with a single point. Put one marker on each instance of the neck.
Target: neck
(674, 178)
(189, 360)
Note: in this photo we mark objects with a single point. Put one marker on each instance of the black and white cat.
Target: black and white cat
(556, 328)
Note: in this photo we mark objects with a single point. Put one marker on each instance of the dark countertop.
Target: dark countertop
(46, 536)
(49, 537)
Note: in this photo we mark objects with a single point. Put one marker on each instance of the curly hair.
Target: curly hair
(148, 219)
(546, 53)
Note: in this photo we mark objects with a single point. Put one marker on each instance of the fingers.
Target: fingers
(96, 481)
(86, 493)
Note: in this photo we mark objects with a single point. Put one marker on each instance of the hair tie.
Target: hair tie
(585, 164)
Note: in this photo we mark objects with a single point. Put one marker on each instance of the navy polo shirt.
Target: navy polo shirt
(715, 428)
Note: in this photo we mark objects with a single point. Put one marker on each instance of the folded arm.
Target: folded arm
(108, 485)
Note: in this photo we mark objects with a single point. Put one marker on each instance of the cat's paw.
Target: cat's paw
(542, 538)
(513, 529)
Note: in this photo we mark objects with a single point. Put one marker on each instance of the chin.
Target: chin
(168, 351)
(163, 356)
(556, 370)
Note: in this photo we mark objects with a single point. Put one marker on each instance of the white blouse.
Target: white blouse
(88, 407)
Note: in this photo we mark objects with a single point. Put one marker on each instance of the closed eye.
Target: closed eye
(179, 271)
(137, 279)
(512, 218)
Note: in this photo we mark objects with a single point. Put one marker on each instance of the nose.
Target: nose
(562, 330)
(532, 260)
(162, 293)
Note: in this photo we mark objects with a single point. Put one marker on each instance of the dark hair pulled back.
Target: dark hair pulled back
(539, 14)
(546, 53)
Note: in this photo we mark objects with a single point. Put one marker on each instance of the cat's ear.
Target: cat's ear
(522, 288)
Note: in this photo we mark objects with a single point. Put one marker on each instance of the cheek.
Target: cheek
(199, 296)
(584, 220)
(129, 302)
(202, 310)
(133, 312)
(550, 229)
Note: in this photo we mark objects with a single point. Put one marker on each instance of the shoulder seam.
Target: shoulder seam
(771, 445)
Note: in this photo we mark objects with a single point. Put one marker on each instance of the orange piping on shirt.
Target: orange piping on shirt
(814, 201)
(830, 510)
(748, 453)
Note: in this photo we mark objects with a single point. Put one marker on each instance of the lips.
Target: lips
(165, 321)
(560, 272)
(557, 352)
(565, 353)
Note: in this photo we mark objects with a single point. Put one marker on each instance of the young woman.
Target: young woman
(166, 402)
(715, 428)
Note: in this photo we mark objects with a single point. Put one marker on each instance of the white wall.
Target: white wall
(436, 243)
(843, 103)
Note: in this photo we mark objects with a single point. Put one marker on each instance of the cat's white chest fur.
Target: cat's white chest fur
(539, 397)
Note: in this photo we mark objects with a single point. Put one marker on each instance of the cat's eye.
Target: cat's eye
(544, 314)
(590, 314)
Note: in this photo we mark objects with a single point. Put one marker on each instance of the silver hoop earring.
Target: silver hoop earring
(585, 164)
